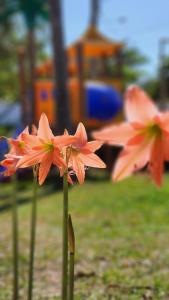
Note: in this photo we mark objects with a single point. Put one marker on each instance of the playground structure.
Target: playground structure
(95, 83)
(94, 65)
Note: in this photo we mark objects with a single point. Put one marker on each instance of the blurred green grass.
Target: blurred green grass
(122, 241)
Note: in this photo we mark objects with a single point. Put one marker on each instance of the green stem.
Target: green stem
(32, 239)
(15, 242)
(71, 276)
(71, 238)
(65, 238)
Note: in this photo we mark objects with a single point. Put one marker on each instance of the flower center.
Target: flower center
(155, 130)
(49, 147)
(21, 145)
(74, 150)
(70, 150)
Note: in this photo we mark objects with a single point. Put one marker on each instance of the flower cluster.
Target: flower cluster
(144, 137)
(42, 149)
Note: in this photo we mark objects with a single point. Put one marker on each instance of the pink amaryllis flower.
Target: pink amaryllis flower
(80, 153)
(145, 137)
(45, 149)
(18, 148)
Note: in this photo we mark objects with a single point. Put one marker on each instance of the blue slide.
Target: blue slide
(103, 101)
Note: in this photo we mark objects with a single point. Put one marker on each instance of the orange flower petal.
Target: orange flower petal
(58, 160)
(44, 131)
(34, 130)
(94, 145)
(39, 147)
(137, 139)
(25, 131)
(45, 167)
(10, 165)
(69, 179)
(92, 160)
(14, 142)
(156, 164)
(116, 134)
(164, 121)
(31, 140)
(138, 106)
(78, 168)
(166, 147)
(81, 134)
(131, 159)
(34, 158)
(7, 162)
(64, 140)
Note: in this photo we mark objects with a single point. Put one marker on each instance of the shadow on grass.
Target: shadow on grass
(53, 184)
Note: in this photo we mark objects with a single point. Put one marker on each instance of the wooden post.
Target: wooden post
(80, 67)
(104, 66)
(31, 51)
(94, 12)
(120, 63)
(162, 76)
(23, 87)
(63, 106)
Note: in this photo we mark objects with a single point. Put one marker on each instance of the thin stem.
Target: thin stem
(65, 238)
(71, 238)
(32, 239)
(15, 242)
(71, 276)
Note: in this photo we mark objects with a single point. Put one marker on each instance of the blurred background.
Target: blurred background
(73, 60)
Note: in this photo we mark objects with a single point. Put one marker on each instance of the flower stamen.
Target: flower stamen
(155, 130)
(49, 147)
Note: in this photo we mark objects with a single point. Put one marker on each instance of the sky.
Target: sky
(144, 23)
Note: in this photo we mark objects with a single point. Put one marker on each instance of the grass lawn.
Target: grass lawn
(122, 242)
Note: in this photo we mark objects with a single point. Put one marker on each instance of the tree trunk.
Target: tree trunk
(80, 67)
(94, 12)
(62, 107)
(23, 88)
(162, 76)
(31, 69)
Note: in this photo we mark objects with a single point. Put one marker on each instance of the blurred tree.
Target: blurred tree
(152, 87)
(63, 109)
(32, 11)
(8, 62)
(164, 79)
(133, 60)
(11, 41)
